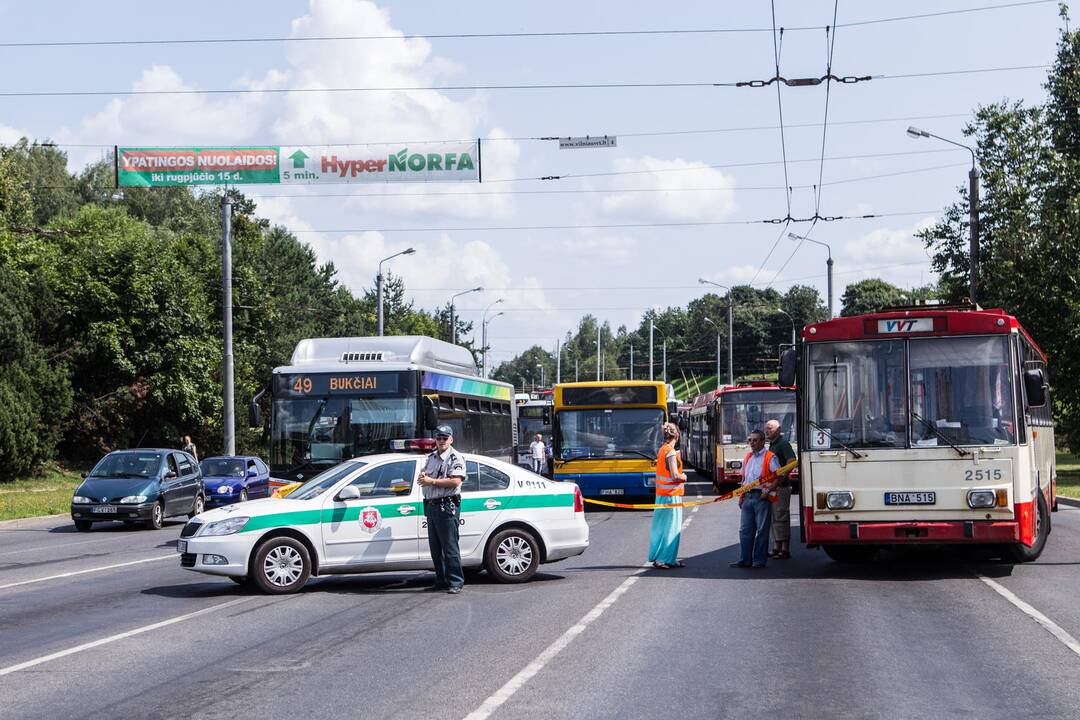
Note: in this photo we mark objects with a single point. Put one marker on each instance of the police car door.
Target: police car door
(484, 494)
(381, 527)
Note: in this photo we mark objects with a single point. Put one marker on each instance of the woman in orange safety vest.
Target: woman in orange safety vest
(667, 522)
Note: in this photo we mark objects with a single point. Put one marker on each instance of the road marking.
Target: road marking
(69, 544)
(1049, 625)
(120, 636)
(518, 681)
(88, 570)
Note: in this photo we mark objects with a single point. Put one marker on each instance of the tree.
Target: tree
(867, 296)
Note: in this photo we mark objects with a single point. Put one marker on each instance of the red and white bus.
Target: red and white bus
(721, 420)
(926, 425)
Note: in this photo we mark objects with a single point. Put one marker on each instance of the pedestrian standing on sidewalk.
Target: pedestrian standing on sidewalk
(667, 521)
(781, 523)
(756, 518)
(440, 481)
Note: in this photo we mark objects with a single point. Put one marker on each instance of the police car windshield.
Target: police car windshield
(317, 485)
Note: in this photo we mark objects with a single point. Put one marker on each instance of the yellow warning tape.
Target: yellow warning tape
(741, 490)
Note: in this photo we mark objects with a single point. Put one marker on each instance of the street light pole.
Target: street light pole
(713, 323)
(973, 211)
(453, 319)
(483, 335)
(783, 312)
(730, 330)
(598, 352)
(379, 290)
(652, 329)
(828, 265)
(542, 383)
(558, 361)
(631, 361)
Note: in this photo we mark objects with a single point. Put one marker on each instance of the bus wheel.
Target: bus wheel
(1021, 553)
(851, 554)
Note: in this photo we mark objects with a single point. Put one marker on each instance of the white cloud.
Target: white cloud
(589, 245)
(679, 204)
(10, 135)
(887, 245)
(739, 275)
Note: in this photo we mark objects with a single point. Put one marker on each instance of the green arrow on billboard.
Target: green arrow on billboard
(298, 158)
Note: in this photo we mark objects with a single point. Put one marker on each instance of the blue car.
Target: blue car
(234, 478)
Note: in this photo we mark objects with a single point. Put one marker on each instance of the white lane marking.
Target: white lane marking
(120, 636)
(518, 681)
(88, 570)
(1049, 625)
(60, 545)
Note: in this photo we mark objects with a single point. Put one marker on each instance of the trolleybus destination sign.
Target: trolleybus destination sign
(426, 162)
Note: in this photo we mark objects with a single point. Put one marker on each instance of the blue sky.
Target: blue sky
(549, 278)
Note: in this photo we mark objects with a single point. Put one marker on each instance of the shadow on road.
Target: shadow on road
(109, 526)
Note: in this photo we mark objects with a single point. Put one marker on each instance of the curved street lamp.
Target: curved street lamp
(378, 287)
(730, 331)
(453, 319)
(828, 264)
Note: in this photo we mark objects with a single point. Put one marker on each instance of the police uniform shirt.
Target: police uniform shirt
(448, 464)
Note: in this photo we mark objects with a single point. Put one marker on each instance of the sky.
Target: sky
(682, 195)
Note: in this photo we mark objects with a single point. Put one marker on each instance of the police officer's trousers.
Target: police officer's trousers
(443, 516)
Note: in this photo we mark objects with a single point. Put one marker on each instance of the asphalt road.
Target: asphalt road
(108, 625)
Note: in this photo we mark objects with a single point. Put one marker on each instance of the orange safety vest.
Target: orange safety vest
(767, 474)
(664, 484)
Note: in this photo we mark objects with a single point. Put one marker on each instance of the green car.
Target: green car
(139, 486)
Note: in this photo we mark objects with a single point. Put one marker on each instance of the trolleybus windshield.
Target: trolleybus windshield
(614, 432)
(742, 412)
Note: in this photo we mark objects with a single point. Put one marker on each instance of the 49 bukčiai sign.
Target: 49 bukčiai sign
(161, 167)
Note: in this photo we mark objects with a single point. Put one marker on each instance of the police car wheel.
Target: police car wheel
(281, 566)
(512, 556)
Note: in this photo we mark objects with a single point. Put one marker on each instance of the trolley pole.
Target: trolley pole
(226, 321)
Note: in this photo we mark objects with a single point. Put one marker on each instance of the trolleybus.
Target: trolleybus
(340, 398)
(607, 435)
(721, 420)
(925, 425)
(534, 416)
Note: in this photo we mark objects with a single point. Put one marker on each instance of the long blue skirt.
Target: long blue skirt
(666, 531)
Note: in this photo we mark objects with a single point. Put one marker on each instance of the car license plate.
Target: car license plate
(611, 491)
(181, 546)
(910, 498)
(104, 509)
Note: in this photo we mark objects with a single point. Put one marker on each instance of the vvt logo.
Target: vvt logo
(899, 325)
(906, 325)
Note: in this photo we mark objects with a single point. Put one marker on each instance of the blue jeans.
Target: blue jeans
(442, 534)
(754, 526)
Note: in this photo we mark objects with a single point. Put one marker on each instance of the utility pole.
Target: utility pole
(558, 362)
(631, 361)
(597, 351)
(226, 321)
(652, 327)
(575, 369)
(665, 359)
(730, 329)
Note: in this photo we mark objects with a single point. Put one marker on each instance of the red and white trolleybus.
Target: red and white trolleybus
(926, 425)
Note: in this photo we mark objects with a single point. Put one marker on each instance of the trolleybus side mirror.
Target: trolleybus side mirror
(786, 376)
(254, 415)
(672, 409)
(1035, 386)
(431, 414)
(547, 416)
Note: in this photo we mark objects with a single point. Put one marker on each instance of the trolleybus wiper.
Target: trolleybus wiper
(833, 439)
(635, 452)
(590, 456)
(940, 434)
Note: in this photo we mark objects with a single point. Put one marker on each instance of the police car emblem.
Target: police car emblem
(370, 519)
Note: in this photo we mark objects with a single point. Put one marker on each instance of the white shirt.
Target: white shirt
(538, 450)
(752, 469)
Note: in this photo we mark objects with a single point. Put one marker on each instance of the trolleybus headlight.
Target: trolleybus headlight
(840, 500)
(981, 498)
(734, 464)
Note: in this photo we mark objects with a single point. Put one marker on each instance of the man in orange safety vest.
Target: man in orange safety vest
(756, 504)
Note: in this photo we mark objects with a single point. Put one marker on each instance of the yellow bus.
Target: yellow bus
(606, 435)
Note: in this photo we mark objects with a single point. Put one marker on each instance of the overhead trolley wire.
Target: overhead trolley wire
(449, 88)
(511, 35)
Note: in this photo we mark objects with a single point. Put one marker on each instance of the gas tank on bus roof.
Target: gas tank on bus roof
(397, 349)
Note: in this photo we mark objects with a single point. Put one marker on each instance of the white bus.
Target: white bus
(340, 398)
(925, 425)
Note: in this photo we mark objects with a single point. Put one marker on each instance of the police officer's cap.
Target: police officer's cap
(445, 430)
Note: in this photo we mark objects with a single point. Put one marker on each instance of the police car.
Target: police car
(367, 515)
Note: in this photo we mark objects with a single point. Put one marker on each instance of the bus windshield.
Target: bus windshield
(857, 395)
(962, 391)
(742, 412)
(325, 431)
(615, 432)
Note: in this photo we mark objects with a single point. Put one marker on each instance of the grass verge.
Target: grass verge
(1068, 475)
(46, 494)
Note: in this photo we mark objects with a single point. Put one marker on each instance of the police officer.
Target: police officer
(440, 481)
